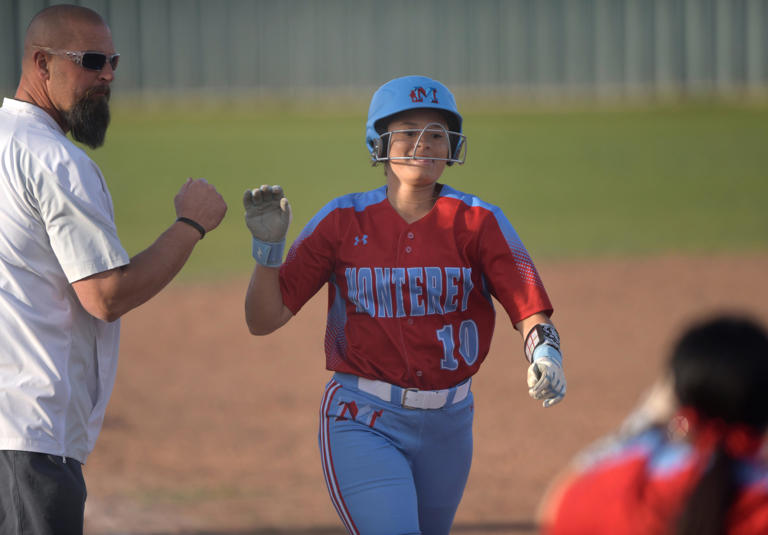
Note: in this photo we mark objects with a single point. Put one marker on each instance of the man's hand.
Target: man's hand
(199, 201)
(546, 381)
(267, 213)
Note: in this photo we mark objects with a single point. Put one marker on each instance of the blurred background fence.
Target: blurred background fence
(295, 48)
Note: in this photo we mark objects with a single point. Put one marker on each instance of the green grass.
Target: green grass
(690, 178)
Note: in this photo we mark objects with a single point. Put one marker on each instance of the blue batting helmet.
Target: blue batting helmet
(411, 93)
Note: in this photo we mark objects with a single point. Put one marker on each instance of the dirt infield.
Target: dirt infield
(211, 430)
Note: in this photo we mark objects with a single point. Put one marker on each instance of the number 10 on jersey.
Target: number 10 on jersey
(468, 344)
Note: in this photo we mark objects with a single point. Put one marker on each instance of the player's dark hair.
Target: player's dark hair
(720, 369)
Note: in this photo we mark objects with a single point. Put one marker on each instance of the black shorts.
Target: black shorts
(40, 494)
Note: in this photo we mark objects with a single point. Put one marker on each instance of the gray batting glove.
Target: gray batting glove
(268, 216)
(267, 213)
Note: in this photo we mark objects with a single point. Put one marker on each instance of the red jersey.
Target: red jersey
(639, 486)
(410, 304)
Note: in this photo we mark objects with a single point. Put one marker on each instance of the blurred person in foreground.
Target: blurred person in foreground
(687, 461)
(65, 279)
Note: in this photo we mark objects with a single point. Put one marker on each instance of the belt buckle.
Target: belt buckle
(402, 401)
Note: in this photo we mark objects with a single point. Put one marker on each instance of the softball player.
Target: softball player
(411, 268)
(695, 467)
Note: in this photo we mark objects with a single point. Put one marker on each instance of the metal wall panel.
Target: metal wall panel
(292, 47)
(10, 59)
(669, 52)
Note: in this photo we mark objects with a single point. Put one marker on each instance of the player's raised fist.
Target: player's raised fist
(267, 213)
(198, 200)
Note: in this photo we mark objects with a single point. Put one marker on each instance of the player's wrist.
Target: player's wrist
(543, 340)
(548, 352)
(269, 254)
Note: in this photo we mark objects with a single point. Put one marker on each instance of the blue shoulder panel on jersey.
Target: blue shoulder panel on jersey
(667, 458)
(474, 201)
(358, 201)
(670, 458)
(524, 263)
(611, 450)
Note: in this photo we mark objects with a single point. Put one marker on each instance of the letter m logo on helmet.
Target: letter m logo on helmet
(412, 93)
(418, 94)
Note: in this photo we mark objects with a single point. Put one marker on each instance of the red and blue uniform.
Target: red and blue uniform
(410, 304)
(639, 486)
(409, 307)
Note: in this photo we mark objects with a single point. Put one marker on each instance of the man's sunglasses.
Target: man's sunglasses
(94, 61)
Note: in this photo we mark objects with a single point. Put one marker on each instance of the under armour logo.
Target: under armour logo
(363, 240)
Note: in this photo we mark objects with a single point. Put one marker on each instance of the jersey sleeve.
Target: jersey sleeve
(76, 209)
(509, 271)
(310, 260)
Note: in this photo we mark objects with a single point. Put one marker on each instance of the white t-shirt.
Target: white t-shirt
(57, 362)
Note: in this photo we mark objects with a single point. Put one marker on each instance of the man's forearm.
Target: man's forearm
(110, 294)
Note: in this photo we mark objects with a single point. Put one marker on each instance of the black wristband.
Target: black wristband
(194, 224)
(542, 333)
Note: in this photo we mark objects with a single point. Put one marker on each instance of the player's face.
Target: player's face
(419, 136)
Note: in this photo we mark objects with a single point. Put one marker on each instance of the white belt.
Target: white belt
(413, 398)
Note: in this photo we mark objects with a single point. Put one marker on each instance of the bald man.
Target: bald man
(65, 279)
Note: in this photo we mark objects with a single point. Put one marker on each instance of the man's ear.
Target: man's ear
(41, 64)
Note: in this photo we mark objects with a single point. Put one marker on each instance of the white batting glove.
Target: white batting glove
(546, 378)
(546, 381)
(268, 216)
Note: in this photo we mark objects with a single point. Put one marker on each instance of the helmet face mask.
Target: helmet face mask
(413, 93)
(438, 136)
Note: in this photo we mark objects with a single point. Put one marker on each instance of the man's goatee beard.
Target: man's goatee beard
(89, 118)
